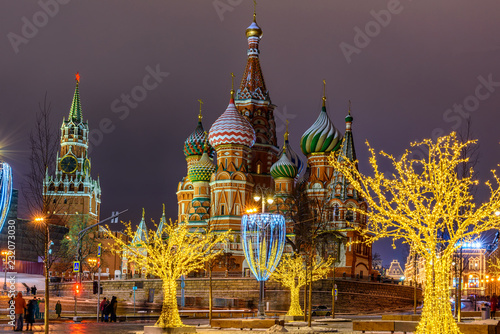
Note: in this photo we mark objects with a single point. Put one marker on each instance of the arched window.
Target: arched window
(336, 212)
(72, 187)
(80, 187)
(338, 187)
(349, 215)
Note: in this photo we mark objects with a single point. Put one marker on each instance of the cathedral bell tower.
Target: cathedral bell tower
(71, 191)
(253, 102)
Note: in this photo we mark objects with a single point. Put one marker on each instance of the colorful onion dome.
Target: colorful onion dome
(322, 136)
(195, 143)
(231, 128)
(202, 169)
(291, 155)
(254, 29)
(283, 167)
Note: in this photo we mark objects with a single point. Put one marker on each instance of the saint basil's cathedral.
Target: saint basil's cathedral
(239, 158)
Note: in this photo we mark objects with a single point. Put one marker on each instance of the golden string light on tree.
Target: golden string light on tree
(426, 204)
(291, 273)
(177, 251)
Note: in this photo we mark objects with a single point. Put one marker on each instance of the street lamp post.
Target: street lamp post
(81, 234)
(263, 239)
(4, 259)
(263, 195)
(46, 270)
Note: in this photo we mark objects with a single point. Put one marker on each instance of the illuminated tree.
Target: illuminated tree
(291, 273)
(178, 251)
(426, 204)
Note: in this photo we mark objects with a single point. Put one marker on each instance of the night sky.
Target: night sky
(407, 66)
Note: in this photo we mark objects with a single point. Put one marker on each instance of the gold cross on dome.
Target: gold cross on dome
(199, 116)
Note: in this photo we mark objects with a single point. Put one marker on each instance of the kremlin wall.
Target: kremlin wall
(242, 293)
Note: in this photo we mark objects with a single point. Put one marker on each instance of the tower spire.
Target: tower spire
(324, 93)
(75, 112)
(286, 131)
(232, 87)
(255, 11)
(349, 109)
(200, 116)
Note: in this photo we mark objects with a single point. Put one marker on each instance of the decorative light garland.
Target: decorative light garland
(177, 251)
(5, 191)
(429, 206)
(291, 273)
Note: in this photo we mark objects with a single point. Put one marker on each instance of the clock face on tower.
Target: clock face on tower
(86, 167)
(68, 164)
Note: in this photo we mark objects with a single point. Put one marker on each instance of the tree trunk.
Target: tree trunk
(309, 304)
(436, 313)
(305, 298)
(169, 316)
(210, 306)
(295, 309)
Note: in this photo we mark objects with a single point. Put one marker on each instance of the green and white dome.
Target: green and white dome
(202, 170)
(321, 137)
(283, 167)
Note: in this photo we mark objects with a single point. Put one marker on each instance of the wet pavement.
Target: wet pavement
(90, 327)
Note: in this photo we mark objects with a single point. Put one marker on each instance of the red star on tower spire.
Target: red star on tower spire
(77, 77)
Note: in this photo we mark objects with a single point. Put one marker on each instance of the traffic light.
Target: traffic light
(96, 287)
(78, 288)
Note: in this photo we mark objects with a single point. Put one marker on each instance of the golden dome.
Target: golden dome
(254, 29)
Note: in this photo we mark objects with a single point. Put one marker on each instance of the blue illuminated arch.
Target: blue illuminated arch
(5, 191)
(263, 239)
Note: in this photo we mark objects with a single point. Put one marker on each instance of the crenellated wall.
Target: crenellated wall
(353, 296)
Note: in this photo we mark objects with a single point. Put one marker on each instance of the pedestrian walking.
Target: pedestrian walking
(37, 308)
(102, 306)
(112, 309)
(29, 315)
(27, 290)
(19, 310)
(41, 308)
(106, 311)
(493, 305)
(34, 289)
(58, 309)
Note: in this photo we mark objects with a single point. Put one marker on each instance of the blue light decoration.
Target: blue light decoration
(5, 191)
(263, 239)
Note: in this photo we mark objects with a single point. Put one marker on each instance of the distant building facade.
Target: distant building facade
(395, 271)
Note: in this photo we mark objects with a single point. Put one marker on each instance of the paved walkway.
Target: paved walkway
(202, 328)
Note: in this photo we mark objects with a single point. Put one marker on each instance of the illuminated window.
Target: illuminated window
(259, 168)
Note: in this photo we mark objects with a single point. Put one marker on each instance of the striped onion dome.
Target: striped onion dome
(231, 128)
(202, 169)
(321, 137)
(283, 168)
(195, 143)
(292, 156)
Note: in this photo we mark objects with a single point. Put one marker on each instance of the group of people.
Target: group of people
(108, 309)
(34, 309)
(32, 290)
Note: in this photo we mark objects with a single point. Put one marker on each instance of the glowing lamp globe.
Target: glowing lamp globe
(263, 239)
